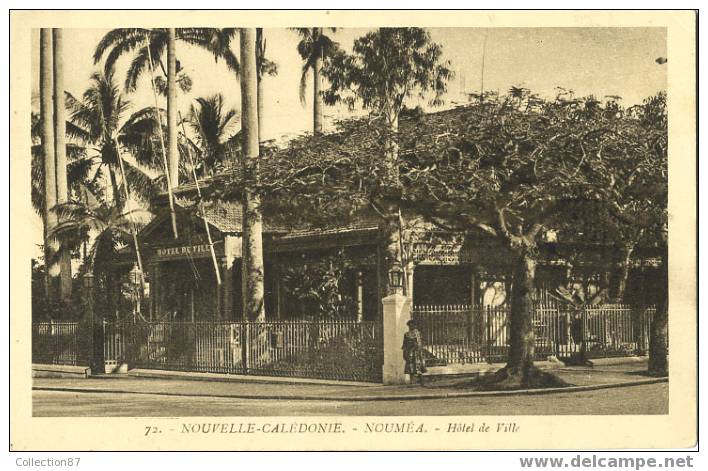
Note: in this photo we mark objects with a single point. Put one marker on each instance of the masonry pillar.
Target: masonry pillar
(396, 314)
(232, 250)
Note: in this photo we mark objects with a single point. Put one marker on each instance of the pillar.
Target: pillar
(396, 314)
(277, 275)
(359, 287)
(232, 251)
(227, 285)
(474, 287)
(218, 295)
(410, 269)
(154, 291)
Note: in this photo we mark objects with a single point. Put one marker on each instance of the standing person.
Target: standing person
(413, 352)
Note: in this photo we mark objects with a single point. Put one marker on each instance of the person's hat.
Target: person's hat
(412, 323)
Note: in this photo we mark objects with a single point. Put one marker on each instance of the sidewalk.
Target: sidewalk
(583, 379)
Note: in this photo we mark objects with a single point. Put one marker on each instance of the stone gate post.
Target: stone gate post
(396, 313)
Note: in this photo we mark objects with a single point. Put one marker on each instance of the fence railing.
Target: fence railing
(480, 334)
(344, 350)
(60, 343)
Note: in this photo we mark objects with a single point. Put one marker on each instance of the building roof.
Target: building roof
(226, 216)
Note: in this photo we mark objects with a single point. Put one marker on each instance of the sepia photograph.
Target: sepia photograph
(342, 220)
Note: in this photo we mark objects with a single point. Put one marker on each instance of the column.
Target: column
(473, 322)
(474, 287)
(410, 269)
(278, 290)
(218, 292)
(155, 291)
(232, 251)
(359, 287)
(227, 285)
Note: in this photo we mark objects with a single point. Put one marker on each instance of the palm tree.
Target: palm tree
(150, 45)
(100, 114)
(108, 229)
(78, 167)
(47, 139)
(314, 48)
(212, 125)
(253, 271)
(133, 42)
(264, 66)
(60, 153)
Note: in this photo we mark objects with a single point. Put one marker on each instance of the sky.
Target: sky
(597, 61)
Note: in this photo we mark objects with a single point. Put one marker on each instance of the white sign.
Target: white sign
(185, 250)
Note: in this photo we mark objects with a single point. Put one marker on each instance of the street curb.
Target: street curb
(232, 378)
(40, 370)
(612, 361)
(390, 397)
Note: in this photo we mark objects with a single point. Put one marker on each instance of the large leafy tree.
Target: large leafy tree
(386, 68)
(314, 49)
(634, 187)
(514, 167)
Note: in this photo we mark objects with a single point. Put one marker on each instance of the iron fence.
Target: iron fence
(480, 334)
(60, 343)
(342, 350)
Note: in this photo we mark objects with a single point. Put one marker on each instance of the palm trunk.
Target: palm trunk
(172, 152)
(60, 154)
(115, 193)
(658, 337)
(50, 192)
(317, 98)
(260, 97)
(253, 273)
(260, 92)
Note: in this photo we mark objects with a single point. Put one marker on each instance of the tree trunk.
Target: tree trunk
(521, 335)
(253, 273)
(115, 193)
(625, 266)
(260, 93)
(50, 191)
(172, 152)
(520, 371)
(60, 154)
(317, 98)
(658, 337)
(390, 225)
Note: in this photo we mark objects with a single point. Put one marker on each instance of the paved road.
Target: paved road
(647, 399)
